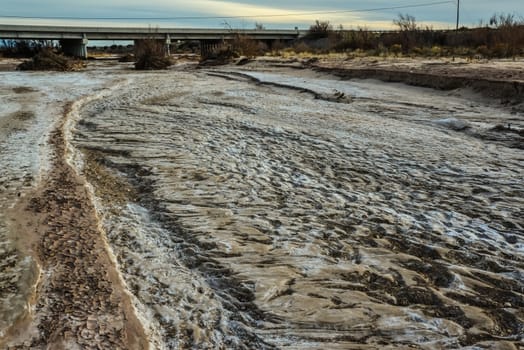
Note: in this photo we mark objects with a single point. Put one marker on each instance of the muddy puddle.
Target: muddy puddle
(287, 209)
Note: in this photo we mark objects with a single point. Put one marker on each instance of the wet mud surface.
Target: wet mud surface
(282, 209)
(80, 301)
(59, 287)
(256, 208)
(16, 272)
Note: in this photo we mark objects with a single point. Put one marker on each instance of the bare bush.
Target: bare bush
(46, 59)
(405, 23)
(243, 45)
(501, 20)
(356, 39)
(408, 31)
(277, 46)
(509, 35)
(321, 29)
(301, 47)
(502, 37)
(151, 54)
(396, 49)
(25, 48)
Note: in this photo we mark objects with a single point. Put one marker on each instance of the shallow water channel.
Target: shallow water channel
(288, 209)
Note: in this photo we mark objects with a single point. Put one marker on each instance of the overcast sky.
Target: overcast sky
(243, 14)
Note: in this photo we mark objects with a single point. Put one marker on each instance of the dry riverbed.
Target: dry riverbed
(257, 207)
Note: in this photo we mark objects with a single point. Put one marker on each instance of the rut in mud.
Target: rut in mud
(256, 216)
(58, 284)
(79, 301)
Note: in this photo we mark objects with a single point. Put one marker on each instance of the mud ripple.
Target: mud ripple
(266, 219)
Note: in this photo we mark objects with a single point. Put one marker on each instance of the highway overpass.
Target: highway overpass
(74, 40)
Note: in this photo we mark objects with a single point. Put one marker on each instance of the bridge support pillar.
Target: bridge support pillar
(209, 47)
(168, 45)
(75, 47)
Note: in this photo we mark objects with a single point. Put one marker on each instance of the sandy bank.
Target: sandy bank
(502, 80)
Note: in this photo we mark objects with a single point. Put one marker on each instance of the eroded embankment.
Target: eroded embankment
(507, 91)
(80, 299)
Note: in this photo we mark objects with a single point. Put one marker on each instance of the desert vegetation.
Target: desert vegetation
(243, 45)
(23, 48)
(48, 59)
(151, 54)
(501, 37)
(42, 54)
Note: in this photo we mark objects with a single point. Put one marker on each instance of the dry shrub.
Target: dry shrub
(278, 46)
(502, 37)
(49, 60)
(243, 45)
(223, 55)
(483, 50)
(355, 39)
(396, 49)
(513, 38)
(150, 54)
(226, 52)
(301, 47)
(23, 48)
(321, 29)
(501, 50)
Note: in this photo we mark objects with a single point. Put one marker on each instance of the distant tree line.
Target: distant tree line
(502, 36)
(24, 48)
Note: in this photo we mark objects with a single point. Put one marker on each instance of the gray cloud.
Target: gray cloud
(443, 14)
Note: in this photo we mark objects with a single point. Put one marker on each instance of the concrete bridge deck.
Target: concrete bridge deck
(74, 40)
(122, 33)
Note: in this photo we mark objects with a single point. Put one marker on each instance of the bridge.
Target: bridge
(74, 40)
